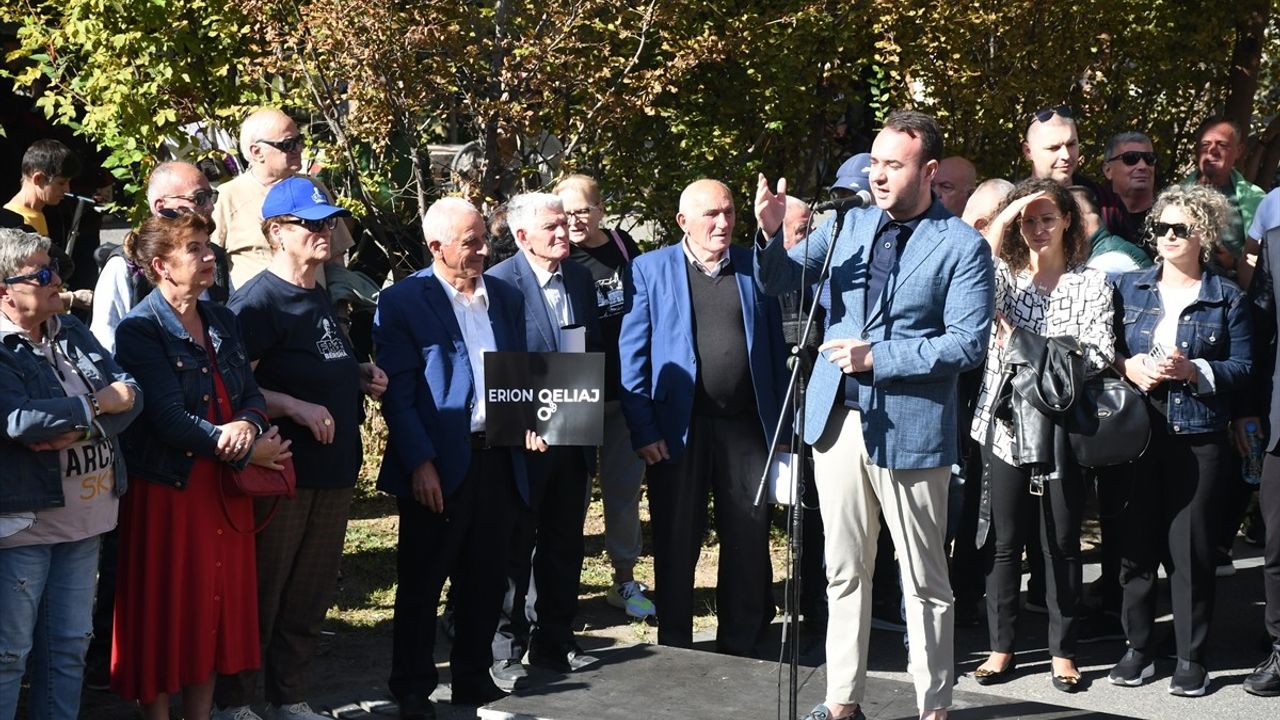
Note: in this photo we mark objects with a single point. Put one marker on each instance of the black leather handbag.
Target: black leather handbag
(1108, 424)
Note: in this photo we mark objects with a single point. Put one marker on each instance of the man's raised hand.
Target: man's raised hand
(771, 207)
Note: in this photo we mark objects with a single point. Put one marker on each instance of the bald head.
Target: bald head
(706, 216)
(270, 141)
(699, 190)
(795, 226)
(177, 184)
(1053, 149)
(954, 183)
(982, 205)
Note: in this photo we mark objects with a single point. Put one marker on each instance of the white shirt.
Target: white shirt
(552, 284)
(711, 272)
(1174, 301)
(477, 334)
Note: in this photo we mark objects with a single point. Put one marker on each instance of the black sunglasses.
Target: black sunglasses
(287, 145)
(199, 198)
(1180, 230)
(1047, 114)
(1133, 156)
(314, 226)
(43, 277)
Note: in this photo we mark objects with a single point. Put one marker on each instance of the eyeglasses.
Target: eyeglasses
(1048, 222)
(314, 226)
(200, 198)
(582, 214)
(1133, 156)
(1182, 231)
(286, 145)
(1047, 114)
(43, 277)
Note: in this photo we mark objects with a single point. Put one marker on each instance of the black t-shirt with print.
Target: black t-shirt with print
(293, 335)
(605, 263)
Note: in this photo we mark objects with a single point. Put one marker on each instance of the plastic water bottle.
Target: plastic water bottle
(1252, 470)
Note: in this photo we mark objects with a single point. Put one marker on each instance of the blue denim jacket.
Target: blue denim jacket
(36, 408)
(1214, 332)
(152, 344)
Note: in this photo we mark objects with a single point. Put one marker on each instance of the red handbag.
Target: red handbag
(257, 481)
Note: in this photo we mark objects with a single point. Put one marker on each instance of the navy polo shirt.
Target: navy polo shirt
(886, 248)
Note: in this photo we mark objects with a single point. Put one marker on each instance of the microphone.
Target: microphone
(860, 199)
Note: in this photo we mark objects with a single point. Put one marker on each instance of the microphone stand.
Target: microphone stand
(801, 367)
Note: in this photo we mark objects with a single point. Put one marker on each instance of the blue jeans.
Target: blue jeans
(46, 601)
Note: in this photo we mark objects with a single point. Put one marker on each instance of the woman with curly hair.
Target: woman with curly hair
(1186, 345)
(1042, 288)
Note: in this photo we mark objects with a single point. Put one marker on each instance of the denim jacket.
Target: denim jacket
(1214, 333)
(36, 408)
(175, 372)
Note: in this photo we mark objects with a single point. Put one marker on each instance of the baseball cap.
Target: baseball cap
(853, 175)
(301, 198)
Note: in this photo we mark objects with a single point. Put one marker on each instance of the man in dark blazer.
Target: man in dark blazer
(911, 291)
(558, 293)
(702, 385)
(456, 496)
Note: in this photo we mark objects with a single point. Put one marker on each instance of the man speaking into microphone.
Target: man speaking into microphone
(911, 309)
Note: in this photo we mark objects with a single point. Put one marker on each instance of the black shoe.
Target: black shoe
(822, 712)
(508, 675)
(1265, 679)
(1099, 627)
(97, 673)
(995, 677)
(1132, 670)
(476, 696)
(416, 707)
(567, 658)
(1189, 679)
(1066, 683)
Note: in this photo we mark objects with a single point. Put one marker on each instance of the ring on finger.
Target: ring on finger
(327, 422)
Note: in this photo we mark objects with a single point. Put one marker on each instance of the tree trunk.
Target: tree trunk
(1242, 77)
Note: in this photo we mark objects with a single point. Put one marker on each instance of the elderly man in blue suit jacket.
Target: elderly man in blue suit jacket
(558, 293)
(911, 294)
(702, 385)
(457, 497)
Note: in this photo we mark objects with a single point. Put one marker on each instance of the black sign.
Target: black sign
(560, 395)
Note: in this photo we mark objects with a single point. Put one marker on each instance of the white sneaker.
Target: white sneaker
(236, 712)
(629, 596)
(296, 711)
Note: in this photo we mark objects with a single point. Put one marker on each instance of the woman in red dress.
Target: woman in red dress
(186, 607)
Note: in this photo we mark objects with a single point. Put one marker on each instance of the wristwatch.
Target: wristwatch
(93, 402)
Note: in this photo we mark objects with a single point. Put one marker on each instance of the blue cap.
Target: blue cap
(301, 198)
(854, 174)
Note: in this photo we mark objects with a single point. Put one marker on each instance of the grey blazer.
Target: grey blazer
(930, 324)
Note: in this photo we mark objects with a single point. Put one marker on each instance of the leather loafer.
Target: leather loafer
(982, 676)
(569, 658)
(416, 707)
(1066, 683)
(508, 674)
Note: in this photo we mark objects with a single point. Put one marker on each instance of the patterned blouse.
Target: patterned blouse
(1080, 306)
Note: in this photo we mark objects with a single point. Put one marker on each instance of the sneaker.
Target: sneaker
(1265, 679)
(295, 711)
(1189, 679)
(1132, 670)
(236, 712)
(1099, 627)
(629, 596)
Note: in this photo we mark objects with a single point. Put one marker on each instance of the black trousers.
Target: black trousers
(724, 456)
(1173, 515)
(966, 557)
(1114, 487)
(1059, 512)
(1269, 501)
(468, 542)
(545, 563)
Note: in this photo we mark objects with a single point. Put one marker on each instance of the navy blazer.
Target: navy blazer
(430, 389)
(930, 324)
(659, 366)
(540, 332)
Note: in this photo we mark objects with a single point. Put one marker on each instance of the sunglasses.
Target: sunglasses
(314, 226)
(1181, 231)
(286, 145)
(199, 198)
(1047, 114)
(43, 277)
(1133, 156)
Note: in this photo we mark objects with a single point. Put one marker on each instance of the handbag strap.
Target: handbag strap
(222, 500)
(622, 247)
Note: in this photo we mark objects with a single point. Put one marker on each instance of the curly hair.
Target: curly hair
(1013, 248)
(1208, 211)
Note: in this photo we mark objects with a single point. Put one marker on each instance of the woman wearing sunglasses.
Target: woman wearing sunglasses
(1186, 346)
(64, 402)
(312, 383)
(1043, 289)
(186, 602)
